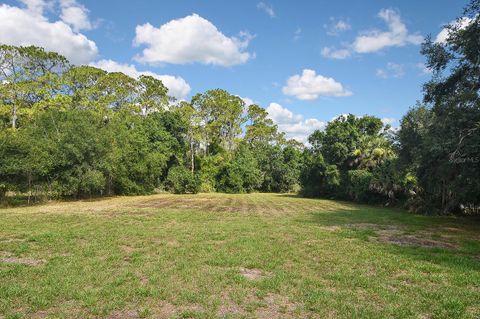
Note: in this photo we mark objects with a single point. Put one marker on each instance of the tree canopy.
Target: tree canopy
(79, 131)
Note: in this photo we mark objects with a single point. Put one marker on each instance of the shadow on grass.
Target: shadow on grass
(465, 258)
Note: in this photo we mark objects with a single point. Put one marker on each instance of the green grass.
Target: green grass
(185, 256)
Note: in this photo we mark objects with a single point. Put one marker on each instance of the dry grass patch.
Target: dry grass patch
(254, 274)
(8, 258)
(128, 314)
(271, 306)
(277, 306)
(410, 240)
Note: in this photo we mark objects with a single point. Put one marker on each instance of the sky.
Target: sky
(306, 62)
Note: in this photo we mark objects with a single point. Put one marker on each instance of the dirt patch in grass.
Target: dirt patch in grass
(230, 308)
(172, 243)
(330, 228)
(12, 240)
(165, 310)
(271, 306)
(40, 314)
(143, 279)
(370, 226)
(276, 306)
(410, 240)
(127, 314)
(397, 236)
(253, 274)
(23, 261)
(127, 249)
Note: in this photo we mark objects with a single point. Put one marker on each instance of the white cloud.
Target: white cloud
(388, 120)
(75, 15)
(392, 70)
(337, 26)
(281, 115)
(267, 8)
(310, 86)
(293, 125)
(297, 34)
(188, 40)
(177, 86)
(37, 7)
(339, 54)
(23, 27)
(397, 34)
(462, 23)
(424, 69)
(344, 115)
(248, 101)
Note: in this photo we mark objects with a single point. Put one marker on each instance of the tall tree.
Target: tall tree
(259, 129)
(449, 169)
(28, 75)
(222, 117)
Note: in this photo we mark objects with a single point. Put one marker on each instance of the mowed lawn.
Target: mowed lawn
(235, 256)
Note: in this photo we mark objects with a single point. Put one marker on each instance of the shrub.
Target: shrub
(359, 184)
(241, 175)
(181, 181)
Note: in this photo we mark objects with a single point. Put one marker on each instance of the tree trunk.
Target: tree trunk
(192, 157)
(29, 187)
(14, 117)
(109, 185)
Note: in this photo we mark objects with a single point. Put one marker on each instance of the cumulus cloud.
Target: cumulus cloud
(75, 15)
(37, 7)
(188, 40)
(397, 34)
(28, 26)
(338, 54)
(310, 86)
(248, 101)
(268, 9)
(462, 23)
(281, 115)
(337, 26)
(392, 70)
(293, 125)
(177, 86)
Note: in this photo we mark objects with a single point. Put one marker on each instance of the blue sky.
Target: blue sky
(305, 61)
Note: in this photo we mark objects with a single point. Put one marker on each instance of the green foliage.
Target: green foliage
(78, 131)
(209, 167)
(182, 181)
(241, 174)
(440, 141)
(359, 184)
(280, 165)
(221, 114)
(344, 159)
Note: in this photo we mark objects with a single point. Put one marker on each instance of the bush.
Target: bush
(181, 181)
(208, 168)
(359, 185)
(230, 179)
(92, 182)
(241, 175)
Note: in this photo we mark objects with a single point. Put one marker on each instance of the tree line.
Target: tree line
(78, 131)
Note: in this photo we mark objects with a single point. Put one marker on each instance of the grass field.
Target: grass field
(235, 256)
